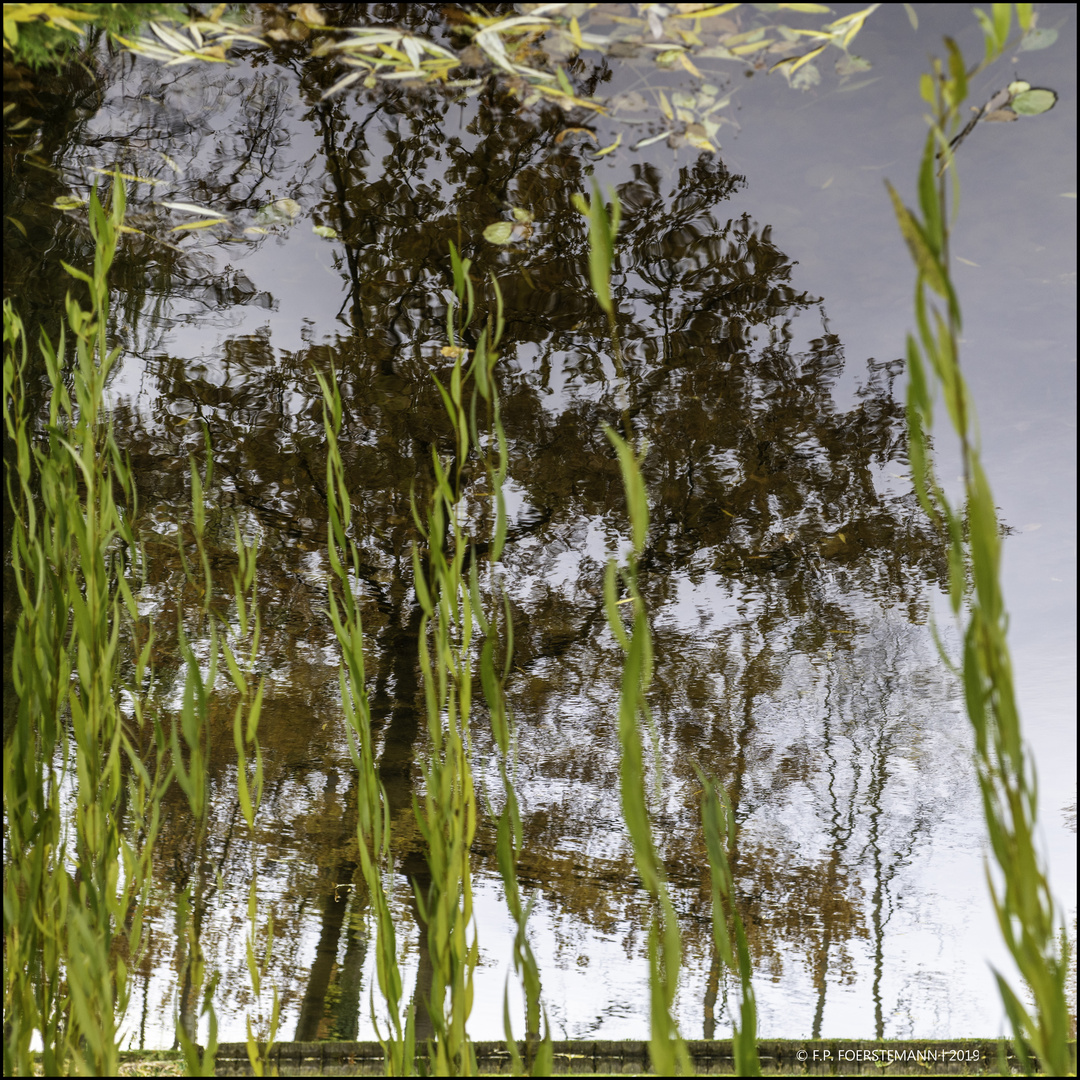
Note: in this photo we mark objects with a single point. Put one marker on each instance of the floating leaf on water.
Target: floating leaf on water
(172, 165)
(171, 39)
(310, 14)
(701, 11)
(695, 136)
(1039, 38)
(567, 132)
(326, 231)
(805, 78)
(130, 177)
(608, 149)
(806, 59)
(687, 63)
(723, 103)
(1033, 102)
(751, 47)
(1000, 116)
(1019, 86)
(207, 224)
(715, 52)
(642, 143)
(279, 212)
(749, 37)
(500, 232)
(523, 215)
(348, 80)
(191, 208)
(629, 101)
(849, 65)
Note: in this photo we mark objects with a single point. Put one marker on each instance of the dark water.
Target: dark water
(763, 298)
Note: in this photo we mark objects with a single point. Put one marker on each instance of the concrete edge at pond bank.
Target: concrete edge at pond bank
(779, 1057)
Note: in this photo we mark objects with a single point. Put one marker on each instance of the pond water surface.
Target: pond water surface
(763, 298)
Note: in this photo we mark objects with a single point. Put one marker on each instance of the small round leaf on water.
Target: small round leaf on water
(279, 212)
(629, 101)
(1038, 38)
(850, 65)
(806, 78)
(501, 232)
(1033, 102)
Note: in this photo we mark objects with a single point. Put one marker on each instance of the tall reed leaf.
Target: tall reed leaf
(1029, 919)
(372, 812)
(667, 1049)
(75, 890)
(718, 823)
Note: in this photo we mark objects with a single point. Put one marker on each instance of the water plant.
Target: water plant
(372, 812)
(77, 563)
(189, 742)
(82, 807)
(456, 638)
(667, 1049)
(488, 442)
(1020, 891)
(719, 826)
(91, 755)
(448, 588)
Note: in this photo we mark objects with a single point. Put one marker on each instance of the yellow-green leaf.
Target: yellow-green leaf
(500, 232)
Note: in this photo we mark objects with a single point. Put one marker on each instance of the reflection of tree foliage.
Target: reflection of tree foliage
(763, 490)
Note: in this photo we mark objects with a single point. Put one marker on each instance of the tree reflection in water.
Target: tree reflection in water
(786, 586)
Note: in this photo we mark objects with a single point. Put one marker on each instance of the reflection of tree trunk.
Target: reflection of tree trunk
(881, 876)
(415, 868)
(821, 972)
(402, 643)
(335, 905)
(712, 990)
(191, 943)
(345, 1017)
